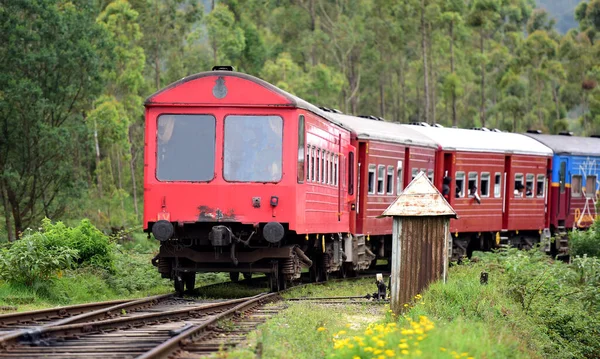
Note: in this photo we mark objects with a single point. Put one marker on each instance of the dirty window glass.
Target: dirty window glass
(253, 148)
(185, 148)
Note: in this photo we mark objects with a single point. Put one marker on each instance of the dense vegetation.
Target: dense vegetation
(532, 307)
(74, 75)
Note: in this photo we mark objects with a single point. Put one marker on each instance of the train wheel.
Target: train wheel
(247, 276)
(178, 284)
(190, 281)
(234, 276)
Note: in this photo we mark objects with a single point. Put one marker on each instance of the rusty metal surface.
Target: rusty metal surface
(420, 198)
(421, 258)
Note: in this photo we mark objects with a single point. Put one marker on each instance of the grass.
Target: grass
(459, 319)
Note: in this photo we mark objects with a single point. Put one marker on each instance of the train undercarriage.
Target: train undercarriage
(269, 248)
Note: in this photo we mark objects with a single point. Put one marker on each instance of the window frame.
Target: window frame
(399, 176)
(302, 152)
(389, 184)
(372, 168)
(381, 171)
(532, 176)
(498, 175)
(592, 192)
(576, 191)
(522, 195)
(457, 177)
(537, 183)
(481, 187)
(469, 181)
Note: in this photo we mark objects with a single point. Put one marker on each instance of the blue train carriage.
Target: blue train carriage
(575, 186)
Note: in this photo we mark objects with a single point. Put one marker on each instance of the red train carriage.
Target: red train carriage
(498, 187)
(238, 173)
(389, 157)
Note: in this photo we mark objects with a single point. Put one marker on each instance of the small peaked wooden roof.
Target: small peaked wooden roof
(420, 199)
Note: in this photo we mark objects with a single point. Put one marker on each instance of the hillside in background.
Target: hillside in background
(563, 11)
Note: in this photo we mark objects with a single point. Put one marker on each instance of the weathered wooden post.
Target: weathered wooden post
(421, 240)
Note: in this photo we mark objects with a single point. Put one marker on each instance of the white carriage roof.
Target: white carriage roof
(483, 141)
(368, 129)
(583, 146)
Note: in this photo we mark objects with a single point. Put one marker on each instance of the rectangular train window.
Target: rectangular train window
(415, 172)
(430, 175)
(576, 185)
(590, 186)
(519, 188)
(497, 185)
(472, 183)
(331, 175)
(318, 166)
(312, 164)
(390, 180)
(336, 174)
(252, 148)
(529, 185)
(327, 168)
(323, 169)
(562, 176)
(380, 179)
(308, 170)
(460, 184)
(350, 172)
(371, 179)
(541, 186)
(399, 178)
(301, 138)
(485, 184)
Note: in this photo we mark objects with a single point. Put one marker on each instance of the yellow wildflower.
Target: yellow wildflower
(381, 357)
(356, 357)
(368, 332)
(405, 352)
(341, 332)
(348, 325)
(403, 346)
(419, 338)
(406, 305)
(378, 351)
(464, 354)
(390, 353)
(380, 343)
(320, 329)
(369, 349)
(443, 349)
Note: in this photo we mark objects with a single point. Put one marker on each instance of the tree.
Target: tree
(225, 37)
(50, 73)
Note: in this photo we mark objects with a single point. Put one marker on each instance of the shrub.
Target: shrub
(30, 261)
(586, 242)
(93, 246)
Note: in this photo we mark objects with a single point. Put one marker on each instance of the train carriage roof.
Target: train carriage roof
(483, 141)
(367, 129)
(560, 144)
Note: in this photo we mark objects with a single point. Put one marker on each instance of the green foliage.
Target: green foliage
(33, 260)
(586, 242)
(93, 247)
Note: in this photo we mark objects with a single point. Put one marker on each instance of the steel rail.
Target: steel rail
(170, 346)
(36, 334)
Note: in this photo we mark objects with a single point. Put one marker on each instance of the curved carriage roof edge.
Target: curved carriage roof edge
(384, 131)
(459, 139)
(569, 145)
(295, 101)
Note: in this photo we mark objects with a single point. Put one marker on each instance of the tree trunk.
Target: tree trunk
(556, 101)
(454, 118)
(98, 174)
(7, 221)
(432, 77)
(16, 211)
(132, 168)
(381, 97)
(482, 107)
(425, 77)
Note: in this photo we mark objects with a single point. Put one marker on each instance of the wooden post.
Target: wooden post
(420, 240)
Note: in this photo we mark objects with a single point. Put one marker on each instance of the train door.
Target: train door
(352, 187)
(507, 191)
(361, 186)
(563, 194)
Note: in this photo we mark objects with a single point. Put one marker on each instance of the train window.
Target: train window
(308, 163)
(485, 184)
(562, 176)
(497, 185)
(472, 183)
(380, 179)
(331, 176)
(576, 185)
(390, 180)
(318, 166)
(323, 169)
(399, 178)
(529, 185)
(460, 184)
(541, 186)
(371, 178)
(327, 167)
(590, 186)
(430, 175)
(180, 139)
(350, 172)
(253, 148)
(519, 188)
(312, 163)
(415, 172)
(301, 138)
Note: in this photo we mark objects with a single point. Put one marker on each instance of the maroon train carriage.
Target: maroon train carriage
(241, 176)
(389, 157)
(498, 187)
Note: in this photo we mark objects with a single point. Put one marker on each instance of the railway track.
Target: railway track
(163, 327)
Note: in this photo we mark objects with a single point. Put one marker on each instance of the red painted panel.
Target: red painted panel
(526, 213)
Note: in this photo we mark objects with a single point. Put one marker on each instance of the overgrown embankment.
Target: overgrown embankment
(531, 307)
(60, 265)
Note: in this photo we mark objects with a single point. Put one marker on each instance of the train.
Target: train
(243, 177)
